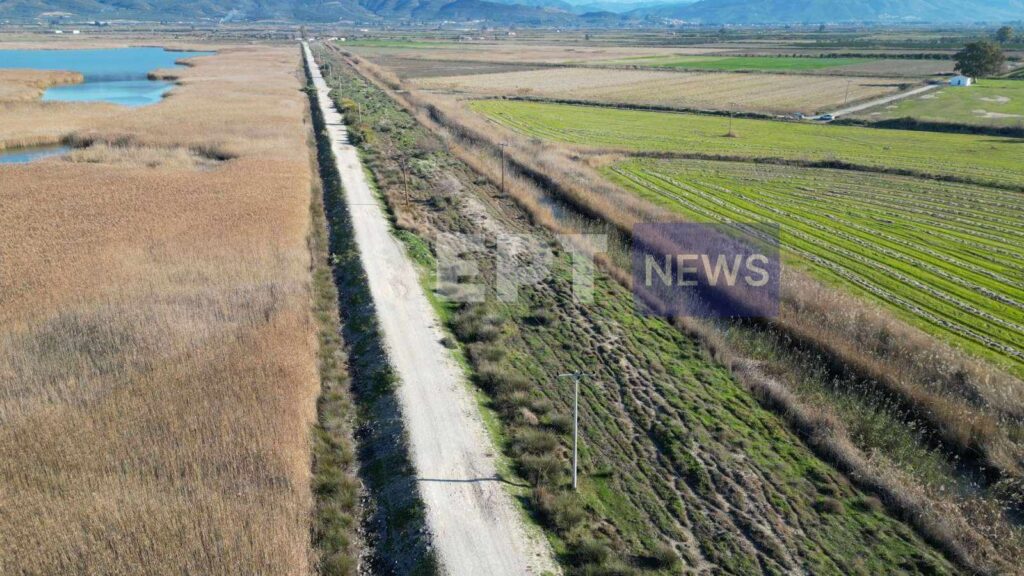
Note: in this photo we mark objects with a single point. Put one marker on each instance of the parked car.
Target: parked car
(826, 118)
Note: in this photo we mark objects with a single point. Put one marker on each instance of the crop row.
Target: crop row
(915, 278)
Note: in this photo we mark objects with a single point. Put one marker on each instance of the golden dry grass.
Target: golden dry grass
(20, 85)
(157, 353)
(773, 93)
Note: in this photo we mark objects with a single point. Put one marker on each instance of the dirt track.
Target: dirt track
(886, 100)
(474, 524)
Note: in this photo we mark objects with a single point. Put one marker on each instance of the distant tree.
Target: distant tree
(1004, 35)
(979, 59)
(821, 28)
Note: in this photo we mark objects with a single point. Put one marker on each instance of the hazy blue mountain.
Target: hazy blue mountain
(814, 11)
(592, 6)
(556, 4)
(292, 10)
(526, 12)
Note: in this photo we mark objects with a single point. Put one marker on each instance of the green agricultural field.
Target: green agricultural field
(946, 256)
(737, 63)
(989, 103)
(980, 159)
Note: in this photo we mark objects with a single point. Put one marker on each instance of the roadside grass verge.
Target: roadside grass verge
(337, 492)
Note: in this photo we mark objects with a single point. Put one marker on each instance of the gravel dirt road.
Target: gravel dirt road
(475, 526)
(886, 100)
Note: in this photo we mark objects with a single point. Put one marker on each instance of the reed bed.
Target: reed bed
(158, 359)
(21, 85)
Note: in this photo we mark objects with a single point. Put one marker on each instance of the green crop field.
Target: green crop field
(989, 103)
(980, 159)
(947, 256)
(736, 63)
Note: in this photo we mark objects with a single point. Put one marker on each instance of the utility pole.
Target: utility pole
(846, 98)
(503, 145)
(575, 421)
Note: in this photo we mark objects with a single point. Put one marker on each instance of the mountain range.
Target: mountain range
(528, 12)
(823, 11)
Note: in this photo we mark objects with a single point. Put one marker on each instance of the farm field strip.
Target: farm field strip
(939, 273)
(979, 214)
(769, 93)
(913, 241)
(806, 232)
(951, 265)
(958, 310)
(980, 159)
(981, 239)
(965, 226)
(737, 63)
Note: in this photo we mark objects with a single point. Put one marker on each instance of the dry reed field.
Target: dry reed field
(18, 85)
(157, 353)
(772, 93)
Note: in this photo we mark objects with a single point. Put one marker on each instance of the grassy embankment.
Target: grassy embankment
(679, 461)
(158, 354)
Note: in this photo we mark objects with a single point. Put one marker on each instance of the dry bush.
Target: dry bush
(157, 353)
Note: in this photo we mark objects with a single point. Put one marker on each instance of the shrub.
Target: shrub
(588, 552)
(664, 557)
(475, 324)
(499, 382)
(561, 511)
(544, 469)
(828, 506)
(534, 441)
(559, 422)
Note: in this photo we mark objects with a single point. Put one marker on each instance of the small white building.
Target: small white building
(960, 80)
